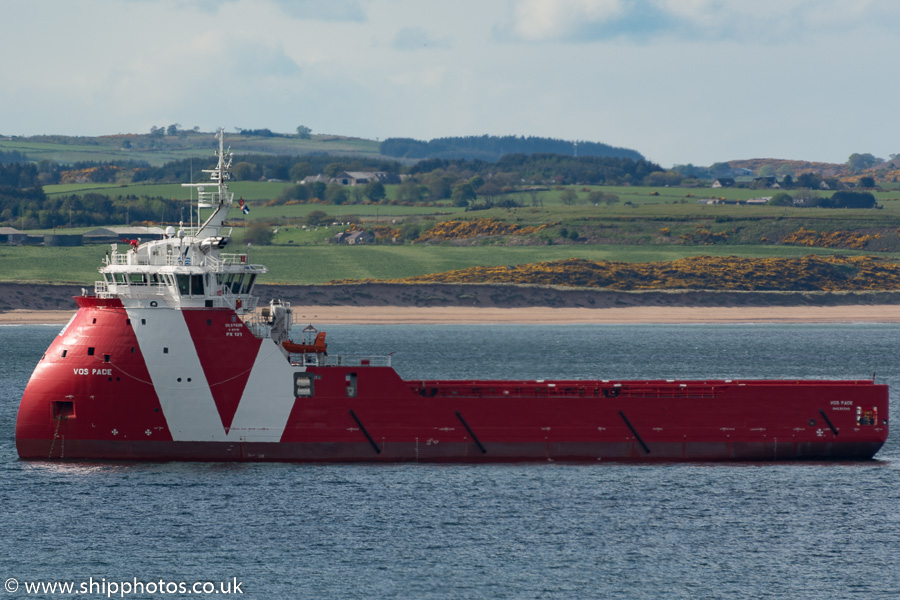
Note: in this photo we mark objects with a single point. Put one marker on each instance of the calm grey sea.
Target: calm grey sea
(502, 531)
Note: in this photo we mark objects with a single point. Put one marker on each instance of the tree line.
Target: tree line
(492, 148)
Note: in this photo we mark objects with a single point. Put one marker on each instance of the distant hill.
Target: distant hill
(157, 150)
(887, 171)
(793, 167)
(491, 148)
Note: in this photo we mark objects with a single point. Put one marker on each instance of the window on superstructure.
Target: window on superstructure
(120, 278)
(248, 283)
(236, 283)
(137, 278)
(196, 285)
(184, 284)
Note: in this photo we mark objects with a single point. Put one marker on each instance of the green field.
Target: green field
(68, 150)
(321, 264)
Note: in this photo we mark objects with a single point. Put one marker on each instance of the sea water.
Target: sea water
(788, 530)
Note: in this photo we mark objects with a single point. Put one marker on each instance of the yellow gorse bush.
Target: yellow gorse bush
(454, 230)
(833, 239)
(808, 273)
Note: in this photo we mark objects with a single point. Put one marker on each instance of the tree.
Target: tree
(440, 184)
(867, 181)
(410, 191)
(781, 199)
(489, 190)
(293, 192)
(173, 129)
(861, 162)
(317, 190)
(463, 193)
(720, 169)
(375, 191)
(304, 132)
(336, 194)
(766, 171)
(410, 231)
(316, 218)
(569, 196)
(244, 171)
(809, 180)
(300, 171)
(334, 169)
(259, 233)
(844, 199)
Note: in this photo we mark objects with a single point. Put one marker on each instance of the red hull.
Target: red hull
(195, 384)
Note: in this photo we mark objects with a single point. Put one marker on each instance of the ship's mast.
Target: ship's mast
(220, 200)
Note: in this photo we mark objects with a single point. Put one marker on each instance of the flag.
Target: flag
(244, 208)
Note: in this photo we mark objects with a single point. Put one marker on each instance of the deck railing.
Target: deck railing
(340, 360)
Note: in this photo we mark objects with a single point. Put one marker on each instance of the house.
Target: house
(316, 179)
(366, 177)
(723, 182)
(355, 178)
(766, 180)
(108, 235)
(763, 200)
(354, 237)
(11, 235)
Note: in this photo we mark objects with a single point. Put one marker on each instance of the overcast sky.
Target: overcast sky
(681, 81)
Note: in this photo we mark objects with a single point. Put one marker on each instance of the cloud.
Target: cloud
(764, 20)
(415, 38)
(332, 10)
(258, 60)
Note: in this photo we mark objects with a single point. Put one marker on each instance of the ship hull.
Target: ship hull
(131, 383)
(458, 452)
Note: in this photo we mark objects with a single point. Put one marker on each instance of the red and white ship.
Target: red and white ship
(170, 359)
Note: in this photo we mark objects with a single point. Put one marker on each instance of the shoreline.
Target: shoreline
(406, 315)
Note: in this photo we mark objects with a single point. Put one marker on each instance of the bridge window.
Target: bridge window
(248, 283)
(184, 284)
(196, 285)
(236, 280)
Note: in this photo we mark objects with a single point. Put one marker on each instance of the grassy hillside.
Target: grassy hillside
(159, 150)
(323, 264)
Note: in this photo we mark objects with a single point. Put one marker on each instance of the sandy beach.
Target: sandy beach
(365, 315)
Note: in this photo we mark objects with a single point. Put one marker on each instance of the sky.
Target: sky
(681, 81)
